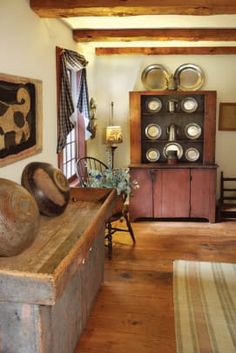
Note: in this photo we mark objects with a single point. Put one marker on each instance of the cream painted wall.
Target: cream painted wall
(28, 49)
(112, 77)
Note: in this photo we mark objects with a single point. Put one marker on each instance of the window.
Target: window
(69, 155)
(70, 151)
(75, 141)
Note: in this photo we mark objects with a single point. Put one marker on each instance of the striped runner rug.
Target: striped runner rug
(205, 307)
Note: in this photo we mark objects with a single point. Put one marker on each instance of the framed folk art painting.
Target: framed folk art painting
(20, 118)
(227, 117)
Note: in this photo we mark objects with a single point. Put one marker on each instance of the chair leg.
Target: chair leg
(218, 213)
(109, 238)
(129, 228)
(219, 216)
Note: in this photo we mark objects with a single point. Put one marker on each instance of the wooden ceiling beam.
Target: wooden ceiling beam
(75, 8)
(182, 34)
(166, 51)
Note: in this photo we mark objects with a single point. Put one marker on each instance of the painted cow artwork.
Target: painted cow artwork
(14, 124)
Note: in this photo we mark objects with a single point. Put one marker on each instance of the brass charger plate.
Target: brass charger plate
(189, 77)
(155, 77)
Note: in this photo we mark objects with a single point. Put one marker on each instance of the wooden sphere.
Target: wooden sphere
(19, 218)
(49, 187)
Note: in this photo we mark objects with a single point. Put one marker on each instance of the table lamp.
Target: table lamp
(113, 136)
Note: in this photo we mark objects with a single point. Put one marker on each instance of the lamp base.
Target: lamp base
(113, 148)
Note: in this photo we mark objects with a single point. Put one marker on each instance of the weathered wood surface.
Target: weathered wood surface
(39, 274)
(47, 292)
(63, 322)
(169, 166)
(19, 330)
(155, 34)
(66, 8)
(135, 127)
(203, 193)
(171, 196)
(134, 309)
(209, 127)
(180, 191)
(213, 50)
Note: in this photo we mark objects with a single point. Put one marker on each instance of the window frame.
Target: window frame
(80, 142)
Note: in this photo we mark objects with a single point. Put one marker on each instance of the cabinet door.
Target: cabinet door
(140, 202)
(171, 193)
(92, 273)
(203, 193)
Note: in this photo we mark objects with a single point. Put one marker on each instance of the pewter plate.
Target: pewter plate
(154, 105)
(173, 146)
(154, 77)
(153, 131)
(192, 154)
(189, 105)
(193, 131)
(189, 77)
(152, 155)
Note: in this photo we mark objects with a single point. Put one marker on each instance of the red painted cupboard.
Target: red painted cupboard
(186, 189)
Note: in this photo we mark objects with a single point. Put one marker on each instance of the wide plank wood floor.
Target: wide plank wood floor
(133, 312)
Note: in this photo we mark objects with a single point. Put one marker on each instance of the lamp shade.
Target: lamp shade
(114, 135)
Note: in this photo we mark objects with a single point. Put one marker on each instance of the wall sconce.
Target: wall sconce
(113, 136)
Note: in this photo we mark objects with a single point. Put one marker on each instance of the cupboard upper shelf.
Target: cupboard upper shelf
(169, 108)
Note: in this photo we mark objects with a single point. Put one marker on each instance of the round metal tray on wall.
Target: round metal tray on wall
(155, 77)
(189, 77)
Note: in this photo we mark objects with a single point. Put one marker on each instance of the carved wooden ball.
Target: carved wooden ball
(19, 218)
(49, 187)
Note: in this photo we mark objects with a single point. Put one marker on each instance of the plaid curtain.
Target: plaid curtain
(83, 98)
(72, 60)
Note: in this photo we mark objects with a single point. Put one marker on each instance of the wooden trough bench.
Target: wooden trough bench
(46, 292)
